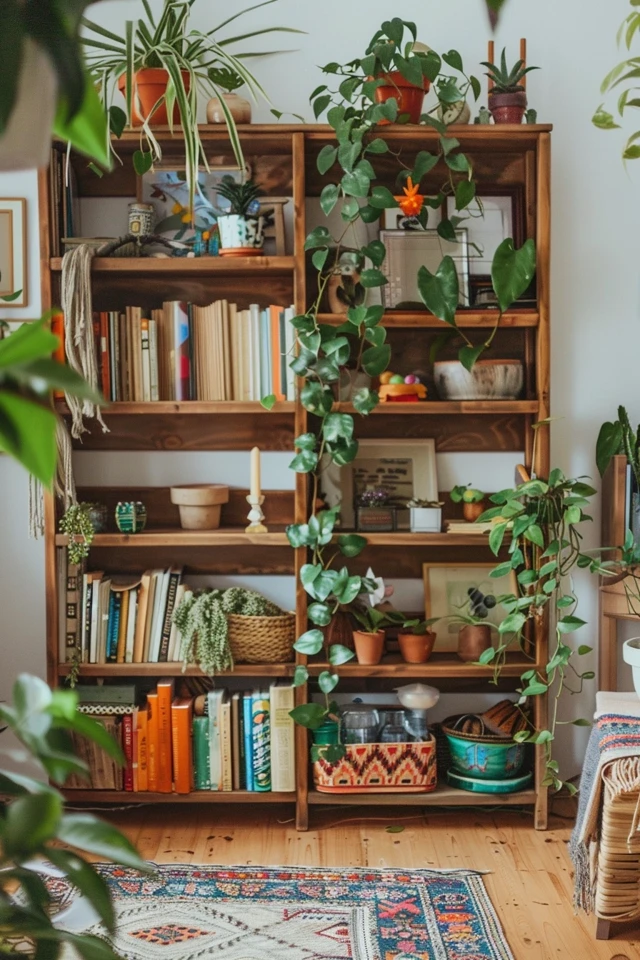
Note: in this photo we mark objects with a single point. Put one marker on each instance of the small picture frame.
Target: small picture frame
(405, 468)
(13, 252)
(407, 251)
(446, 587)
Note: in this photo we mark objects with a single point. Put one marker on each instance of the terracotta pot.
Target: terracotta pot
(239, 108)
(471, 511)
(369, 647)
(473, 639)
(508, 107)
(410, 98)
(416, 647)
(148, 86)
(200, 505)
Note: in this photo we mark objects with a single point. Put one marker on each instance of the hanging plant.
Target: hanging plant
(77, 523)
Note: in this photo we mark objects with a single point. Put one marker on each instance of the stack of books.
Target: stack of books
(187, 352)
(109, 619)
(217, 742)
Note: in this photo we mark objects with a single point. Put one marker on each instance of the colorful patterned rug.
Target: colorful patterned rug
(297, 913)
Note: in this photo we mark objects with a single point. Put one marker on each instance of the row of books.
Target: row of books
(218, 741)
(187, 352)
(109, 619)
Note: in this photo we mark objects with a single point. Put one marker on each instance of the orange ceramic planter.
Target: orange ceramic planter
(410, 98)
(369, 647)
(148, 86)
(416, 647)
(471, 511)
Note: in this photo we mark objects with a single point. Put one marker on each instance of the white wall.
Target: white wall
(595, 250)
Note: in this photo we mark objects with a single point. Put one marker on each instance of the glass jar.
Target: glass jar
(393, 728)
(361, 726)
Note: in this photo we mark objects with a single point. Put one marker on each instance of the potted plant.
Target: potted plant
(162, 66)
(472, 500)
(83, 521)
(416, 640)
(619, 437)
(239, 108)
(507, 98)
(426, 515)
(375, 512)
(369, 641)
(241, 225)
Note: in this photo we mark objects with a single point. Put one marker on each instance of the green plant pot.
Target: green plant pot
(328, 733)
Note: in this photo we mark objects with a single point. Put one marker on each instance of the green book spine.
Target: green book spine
(201, 761)
(261, 741)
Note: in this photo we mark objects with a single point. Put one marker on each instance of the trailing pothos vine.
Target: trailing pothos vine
(349, 100)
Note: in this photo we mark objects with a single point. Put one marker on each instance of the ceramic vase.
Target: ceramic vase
(473, 640)
(240, 236)
(238, 107)
(131, 516)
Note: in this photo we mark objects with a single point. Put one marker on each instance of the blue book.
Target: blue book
(248, 745)
(261, 740)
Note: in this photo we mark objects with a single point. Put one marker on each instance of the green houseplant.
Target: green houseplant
(624, 76)
(620, 437)
(472, 501)
(77, 523)
(34, 825)
(508, 97)
(162, 67)
(241, 226)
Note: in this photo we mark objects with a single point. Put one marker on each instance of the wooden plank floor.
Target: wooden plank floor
(530, 882)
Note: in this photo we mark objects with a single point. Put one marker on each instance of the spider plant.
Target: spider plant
(192, 60)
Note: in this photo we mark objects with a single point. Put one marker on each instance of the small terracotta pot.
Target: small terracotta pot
(508, 107)
(148, 86)
(369, 647)
(473, 639)
(416, 647)
(471, 511)
(200, 505)
(239, 108)
(410, 98)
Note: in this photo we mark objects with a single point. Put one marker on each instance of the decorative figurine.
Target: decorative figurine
(484, 117)
(255, 498)
(394, 388)
(531, 116)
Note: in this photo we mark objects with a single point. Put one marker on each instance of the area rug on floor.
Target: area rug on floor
(193, 912)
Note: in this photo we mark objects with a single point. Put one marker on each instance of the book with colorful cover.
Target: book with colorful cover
(127, 749)
(248, 740)
(261, 740)
(142, 748)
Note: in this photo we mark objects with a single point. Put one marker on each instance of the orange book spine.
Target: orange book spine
(57, 329)
(143, 749)
(274, 318)
(152, 743)
(165, 699)
(181, 723)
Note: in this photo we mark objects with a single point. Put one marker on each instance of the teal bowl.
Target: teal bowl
(486, 761)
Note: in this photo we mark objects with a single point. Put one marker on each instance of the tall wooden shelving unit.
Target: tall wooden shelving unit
(283, 159)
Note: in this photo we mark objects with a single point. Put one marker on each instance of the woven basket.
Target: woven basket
(262, 639)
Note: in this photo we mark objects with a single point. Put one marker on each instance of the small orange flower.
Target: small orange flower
(411, 202)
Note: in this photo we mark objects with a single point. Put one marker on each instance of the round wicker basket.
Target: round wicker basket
(262, 639)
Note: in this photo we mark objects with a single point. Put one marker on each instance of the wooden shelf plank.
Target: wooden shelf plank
(191, 407)
(443, 795)
(198, 796)
(171, 537)
(175, 670)
(192, 267)
(464, 318)
(404, 538)
(439, 407)
(439, 665)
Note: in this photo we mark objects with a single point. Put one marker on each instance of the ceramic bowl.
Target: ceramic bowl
(485, 761)
(488, 380)
(473, 785)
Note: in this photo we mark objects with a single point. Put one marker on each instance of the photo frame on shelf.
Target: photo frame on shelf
(407, 251)
(406, 468)
(394, 219)
(486, 230)
(13, 252)
(165, 187)
(446, 587)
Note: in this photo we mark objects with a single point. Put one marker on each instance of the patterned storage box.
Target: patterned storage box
(380, 767)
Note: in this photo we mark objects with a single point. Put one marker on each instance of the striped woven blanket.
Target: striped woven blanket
(615, 741)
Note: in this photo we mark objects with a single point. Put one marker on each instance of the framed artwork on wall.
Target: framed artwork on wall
(166, 189)
(405, 468)
(446, 592)
(407, 251)
(13, 252)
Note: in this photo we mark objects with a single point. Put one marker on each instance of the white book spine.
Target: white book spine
(95, 606)
(159, 607)
(290, 341)
(214, 698)
(154, 387)
(146, 363)
(131, 626)
(283, 779)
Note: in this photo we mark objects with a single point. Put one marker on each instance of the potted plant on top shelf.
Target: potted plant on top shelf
(472, 500)
(161, 67)
(241, 225)
(508, 97)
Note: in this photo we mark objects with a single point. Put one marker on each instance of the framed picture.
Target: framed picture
(13, 252)
(446, 592)
(486, 229)
(405, 468)
(407, 251)
(166, 188)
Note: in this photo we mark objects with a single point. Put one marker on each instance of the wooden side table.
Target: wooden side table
(614, 606)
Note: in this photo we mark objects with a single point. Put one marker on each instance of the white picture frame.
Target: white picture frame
(417, 477)
(408, 250)
(445, 593)
(13, 252)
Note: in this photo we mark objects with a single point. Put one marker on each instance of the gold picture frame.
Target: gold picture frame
(13, 252)
(446, 594)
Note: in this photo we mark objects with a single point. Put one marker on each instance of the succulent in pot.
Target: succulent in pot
(416, 640)
(241, 225)
(508, 97)
(472, 500)
(426, 515)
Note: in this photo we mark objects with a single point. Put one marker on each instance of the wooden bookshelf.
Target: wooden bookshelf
(283, 158)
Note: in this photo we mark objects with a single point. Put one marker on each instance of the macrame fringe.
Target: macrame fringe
(80, 349)
(64, 485)
(36, 508)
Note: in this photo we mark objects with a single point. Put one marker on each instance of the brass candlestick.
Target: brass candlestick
(256, 516)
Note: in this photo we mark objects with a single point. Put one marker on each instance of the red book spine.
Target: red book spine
(127, 749)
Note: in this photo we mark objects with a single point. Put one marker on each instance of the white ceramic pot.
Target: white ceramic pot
(426, 519)
(241, 233)
(631, 654)
(458, 112)
(26, 142)
(488, 380)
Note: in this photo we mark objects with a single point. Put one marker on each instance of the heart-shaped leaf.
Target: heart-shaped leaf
(512, 271)
(440, 291)
(310, 642)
